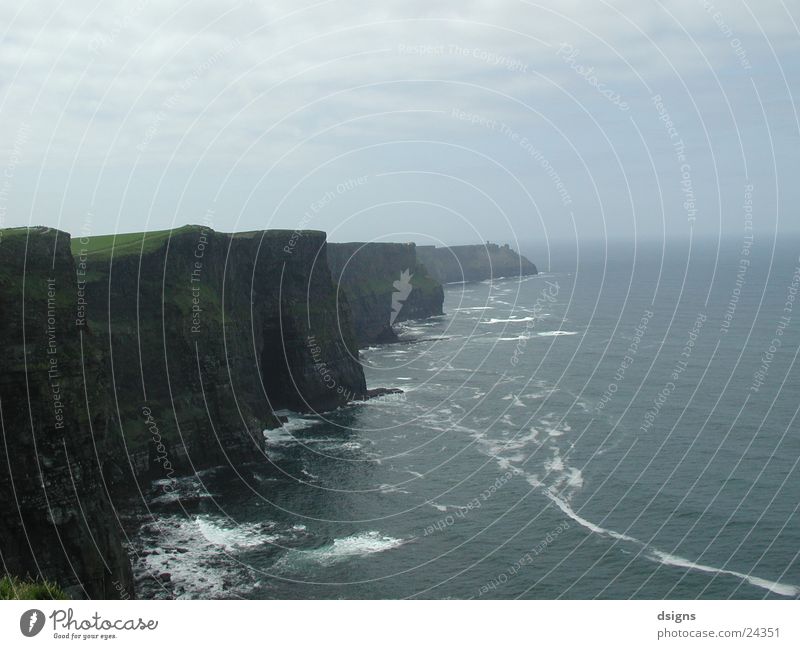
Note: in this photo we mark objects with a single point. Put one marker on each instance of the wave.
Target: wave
(667, 559)
(556, 333)
(285, 434)
(514, 399)
(179, 557)
(564, 507)
(391, 489)
(787, 590)
(511, 320)
(473, 308)
(358, 545)
(231, 538)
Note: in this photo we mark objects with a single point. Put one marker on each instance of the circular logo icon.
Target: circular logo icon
(31, 622)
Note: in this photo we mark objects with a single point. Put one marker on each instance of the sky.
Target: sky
(437, 122)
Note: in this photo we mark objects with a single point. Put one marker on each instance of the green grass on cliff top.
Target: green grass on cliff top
(13, 588)
(134, 243)
(130, 243)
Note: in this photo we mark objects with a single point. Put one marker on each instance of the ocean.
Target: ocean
(623, 425)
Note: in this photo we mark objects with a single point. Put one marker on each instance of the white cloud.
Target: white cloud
(241, 85)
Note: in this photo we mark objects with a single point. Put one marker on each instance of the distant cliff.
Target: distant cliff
(207, 334)
(382, 283)
(57, 417)
(473, 263)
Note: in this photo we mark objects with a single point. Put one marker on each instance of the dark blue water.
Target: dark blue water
(622, 425)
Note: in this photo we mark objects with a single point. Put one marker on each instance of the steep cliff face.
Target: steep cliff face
(474, 263)
(55, 417)
(207, 334)
(382, 283)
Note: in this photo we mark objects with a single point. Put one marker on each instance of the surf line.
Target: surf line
(658, 556)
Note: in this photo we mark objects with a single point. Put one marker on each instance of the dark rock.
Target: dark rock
(57, 418)
(474, 263)
(210, 333)
(381, 284)
(380, 392)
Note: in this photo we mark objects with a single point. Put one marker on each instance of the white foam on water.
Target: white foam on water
(285, 434)
(564, 507)
(296, 424)
(278, 437)
(195, 553)
(787, 590)
(516, 400)
(557, 333)
(504, 463)
(509, 320)
(554, 464)
(391, 489)
(333, 445)
(575, 478)
(654, 554)
(231, 538)
(533, 481)
(358, 545)
(171, 497)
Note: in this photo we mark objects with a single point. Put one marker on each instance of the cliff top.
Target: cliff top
(129, 243)
(8, 233)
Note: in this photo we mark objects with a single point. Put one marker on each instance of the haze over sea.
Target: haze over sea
(622, 425)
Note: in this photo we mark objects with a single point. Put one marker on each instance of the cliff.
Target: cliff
(57, 520)
(207, 334)
(474, 263)
(144, 356)
(382, 283)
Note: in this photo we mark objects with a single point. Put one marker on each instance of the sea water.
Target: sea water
(623, 425)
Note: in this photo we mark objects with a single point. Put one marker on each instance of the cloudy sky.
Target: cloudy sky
(454, 121)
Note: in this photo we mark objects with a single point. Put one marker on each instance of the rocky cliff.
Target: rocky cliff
(56, 418)
(382, 283)
(208, 334)
(473, 263)
(141, 357)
